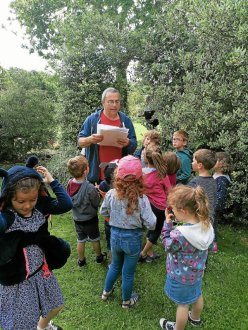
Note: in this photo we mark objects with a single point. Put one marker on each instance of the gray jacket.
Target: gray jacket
(116, 210)
(85, 202)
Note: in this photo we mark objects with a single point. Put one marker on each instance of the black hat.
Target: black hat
(17, 173)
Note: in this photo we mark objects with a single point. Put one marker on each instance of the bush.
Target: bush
(57, 165)
(198, 81)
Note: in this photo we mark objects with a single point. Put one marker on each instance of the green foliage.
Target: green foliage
(192, 61)
(27, 111)
(90, 44)
(57, 165)
(196, 65)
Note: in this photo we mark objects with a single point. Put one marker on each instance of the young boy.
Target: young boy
(151, 138)
(179, 141)
(203, 161)
(86, 200)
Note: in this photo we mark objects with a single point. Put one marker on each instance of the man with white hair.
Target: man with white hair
(88, 139)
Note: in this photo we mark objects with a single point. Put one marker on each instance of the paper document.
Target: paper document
(111, 134)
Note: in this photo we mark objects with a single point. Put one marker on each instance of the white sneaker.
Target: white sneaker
(52, 326)
(168, 325)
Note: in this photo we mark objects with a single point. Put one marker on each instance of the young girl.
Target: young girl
(187, 250)
(151, 138)
(157, 185)
(129, 210)
(173, 164)
(222, 169)
(29, 293)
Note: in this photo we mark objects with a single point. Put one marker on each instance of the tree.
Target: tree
(90, 44)
(27, 112)
(196, 67)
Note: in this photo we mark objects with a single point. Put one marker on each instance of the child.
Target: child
(203, 161)
(173, 164)
(151, 138)
(29, 293)
(104, 187)
(187, 250)
(157, 185)
(179, 141)
(222, 169)
(86, 200)
(129, 211)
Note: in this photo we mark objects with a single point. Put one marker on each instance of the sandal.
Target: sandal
(106, 295)
(134, 298)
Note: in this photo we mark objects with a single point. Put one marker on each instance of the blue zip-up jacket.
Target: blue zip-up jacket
(89, 127)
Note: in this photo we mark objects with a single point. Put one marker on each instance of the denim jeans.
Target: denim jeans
(125, 248)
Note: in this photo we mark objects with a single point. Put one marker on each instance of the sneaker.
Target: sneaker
(142, 259)
(152, 257)
(194, 322)
(52, 326)
(100, 259)
(81, 263)
(214, 248)
(168, 325)
(134, 298)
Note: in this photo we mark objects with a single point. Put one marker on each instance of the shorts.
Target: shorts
(153, 235)
(182, 294)
(87, 230)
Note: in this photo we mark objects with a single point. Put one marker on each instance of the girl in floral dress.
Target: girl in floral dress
(29, 292)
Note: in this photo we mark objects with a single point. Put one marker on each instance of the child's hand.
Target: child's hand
(44, 171)
(169, 215)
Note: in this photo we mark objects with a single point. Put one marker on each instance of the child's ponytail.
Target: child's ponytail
(192, 199)
(154, 157)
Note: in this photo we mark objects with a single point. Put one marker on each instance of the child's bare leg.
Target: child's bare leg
(147, 248)
(197, 308)
(97, 248)
(43, 322)
(81, 250)
(181, 317)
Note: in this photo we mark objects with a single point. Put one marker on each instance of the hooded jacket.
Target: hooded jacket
(187, 248)
(85, 202)
(185, 170)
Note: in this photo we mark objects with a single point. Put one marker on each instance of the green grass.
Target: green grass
(140, 130)
(224, 287)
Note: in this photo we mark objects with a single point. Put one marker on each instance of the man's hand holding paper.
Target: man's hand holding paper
(113, 136)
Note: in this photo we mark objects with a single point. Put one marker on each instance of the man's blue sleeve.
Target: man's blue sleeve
(85, 130)
(132, 137)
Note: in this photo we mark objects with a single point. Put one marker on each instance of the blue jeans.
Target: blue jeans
(125, 248)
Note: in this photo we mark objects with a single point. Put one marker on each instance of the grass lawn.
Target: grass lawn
(225, 287)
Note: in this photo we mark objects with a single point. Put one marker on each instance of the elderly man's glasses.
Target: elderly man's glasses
(112, 102)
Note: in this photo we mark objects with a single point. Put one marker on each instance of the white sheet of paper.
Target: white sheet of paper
(111, 134)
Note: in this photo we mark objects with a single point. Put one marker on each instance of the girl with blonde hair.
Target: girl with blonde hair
(187, 250)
